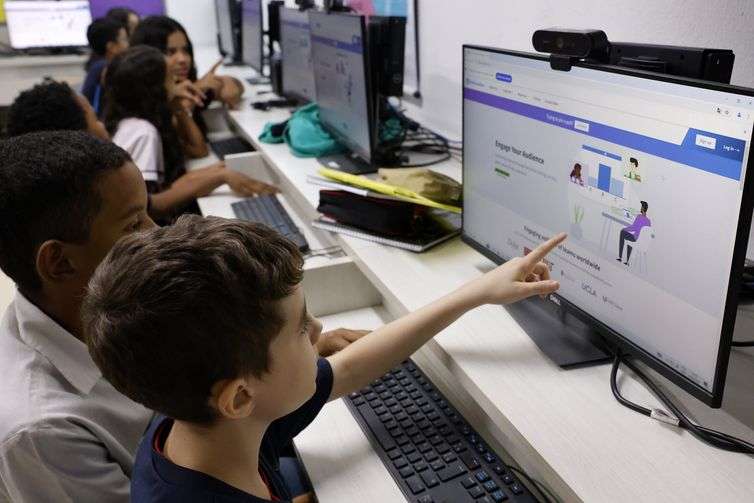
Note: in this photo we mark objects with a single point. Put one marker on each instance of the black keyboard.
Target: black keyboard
(229, 146)
(429, 449)
(267, 210)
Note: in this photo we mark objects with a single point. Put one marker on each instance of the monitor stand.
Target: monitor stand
(347, 163)
(564, 338)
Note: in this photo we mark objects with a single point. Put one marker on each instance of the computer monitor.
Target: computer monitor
(340, 62)
(47, 24)
(143, 8)
(252, 34)
(298, 74)
(228, 17)
(647, 174)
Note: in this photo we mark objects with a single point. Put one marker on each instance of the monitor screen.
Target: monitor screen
(340, 76)
(224, 27)
(645, 175)
(298, 74)
(142, 7)
(47, 24)
(251, 33)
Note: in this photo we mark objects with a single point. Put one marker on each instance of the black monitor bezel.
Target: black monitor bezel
(244, 57)
(218, 4)
(341, 138)
(288, 93)
(47, 47)
(715, 397)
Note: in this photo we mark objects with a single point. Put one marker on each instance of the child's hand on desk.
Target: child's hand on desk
(245, 186)
(517, 279)
(333, 341)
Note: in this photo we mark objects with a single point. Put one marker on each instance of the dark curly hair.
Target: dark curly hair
(50, 106)
(155, 30)
(135, 87)
(50, 190)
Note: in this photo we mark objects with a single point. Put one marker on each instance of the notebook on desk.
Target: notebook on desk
(445, 226)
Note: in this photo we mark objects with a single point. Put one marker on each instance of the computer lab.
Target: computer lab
(376, 251)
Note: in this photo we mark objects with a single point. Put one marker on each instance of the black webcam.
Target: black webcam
(579, 44)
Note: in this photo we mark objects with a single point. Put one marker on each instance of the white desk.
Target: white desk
(563, 427)
(18, 73)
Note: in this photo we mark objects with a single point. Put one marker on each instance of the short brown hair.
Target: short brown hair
(173, 310)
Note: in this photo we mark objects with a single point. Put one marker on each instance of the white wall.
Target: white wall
(446, 24)
(197, 16)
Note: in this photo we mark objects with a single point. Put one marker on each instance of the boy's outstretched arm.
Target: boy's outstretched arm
(374, 354)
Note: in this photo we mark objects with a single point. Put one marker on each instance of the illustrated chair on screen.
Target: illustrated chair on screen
(640, 247)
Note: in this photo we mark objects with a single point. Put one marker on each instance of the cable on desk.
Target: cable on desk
(709, 436)
(545, 493)
(742, 344)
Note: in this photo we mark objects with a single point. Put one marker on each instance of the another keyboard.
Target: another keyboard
(235, 145)
(267, 210)
(429, 449)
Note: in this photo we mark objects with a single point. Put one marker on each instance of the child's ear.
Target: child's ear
(53, 264)
(233, 398)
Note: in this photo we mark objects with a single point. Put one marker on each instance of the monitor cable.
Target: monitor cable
(676, 417)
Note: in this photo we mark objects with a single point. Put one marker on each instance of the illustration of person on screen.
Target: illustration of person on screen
(576, 174)
(633, 170)
(632, 232)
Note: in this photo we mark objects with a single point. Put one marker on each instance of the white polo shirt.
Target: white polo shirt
(65, 433)
(142, 141)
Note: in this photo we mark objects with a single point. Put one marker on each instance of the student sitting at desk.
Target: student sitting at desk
(247, 378)
(142, 100)
(632, 232)
(53, 106)
(107, 38)
(65, 433)
(169, 37)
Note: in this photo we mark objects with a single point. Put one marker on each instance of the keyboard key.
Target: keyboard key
(489, 458)
(400, 463)
(508, 479)
(423, 424)
(424, 447)
(468, 482)
(473, 439)
(451, 471)
(517, 489)
(449, 457)
(430, 479)
(406, 423)
(417, 439)
(414, 484)
(442, 448)
(406, 471)
(435, 440)
(482, 476)
(435, 396)
(431, 456)
(427, 408)
(408, 449)
(427, 498)
(471, 461)
(437, 464)
(459, 448)
(499, 469)
(358, 401)
(490, 486)
(414, 457)
(402, 440)
(390, 424)
(476, 492)
(394, 454)
(412, 430)
(420, 466)
(484, 499)
(499, 496)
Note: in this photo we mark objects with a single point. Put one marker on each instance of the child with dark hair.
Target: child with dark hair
(247, 378)
(142, 101)
(107, 38)
(169, 37)
(125, 16)
(65, 433)
(53, 106)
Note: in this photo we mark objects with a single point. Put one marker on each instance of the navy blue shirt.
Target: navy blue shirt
(92, 88)
(156, 479)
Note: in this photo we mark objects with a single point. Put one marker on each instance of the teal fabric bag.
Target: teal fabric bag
(303, 133)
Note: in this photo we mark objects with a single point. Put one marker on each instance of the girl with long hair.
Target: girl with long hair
(141, 99)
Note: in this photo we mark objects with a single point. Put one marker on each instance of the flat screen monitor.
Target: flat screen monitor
(143, 8)
(42, 24)
(252, 33)
(339, 58)
(298, 74)
(646, 173)
(224, 27)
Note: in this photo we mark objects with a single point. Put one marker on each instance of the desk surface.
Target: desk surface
(563, 427)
